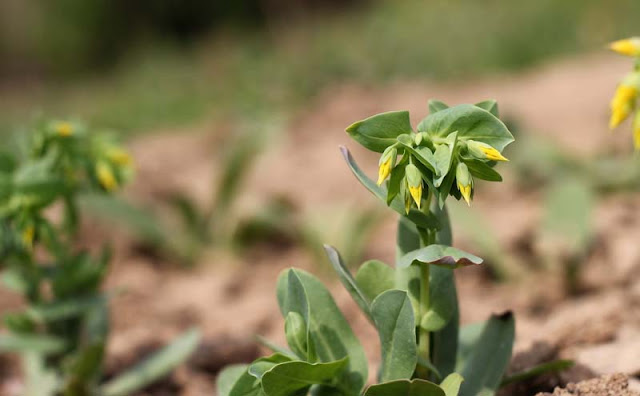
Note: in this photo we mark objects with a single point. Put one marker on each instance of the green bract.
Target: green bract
(414, 306)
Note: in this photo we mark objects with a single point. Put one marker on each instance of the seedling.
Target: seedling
(62, 332)
(414, 306)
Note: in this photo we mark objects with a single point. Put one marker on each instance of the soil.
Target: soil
(231, 296)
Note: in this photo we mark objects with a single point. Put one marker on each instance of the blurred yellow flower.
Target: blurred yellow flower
(105, 177)
(119, 156)
(64, 129)
(629, 46)
(622, 104)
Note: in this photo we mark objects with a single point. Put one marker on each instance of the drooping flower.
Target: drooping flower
(464, 182)
(386, 163)
(414, 183)
(482, 150)
(105, 176)
(622, 104)
(629, 46)
(63, 129)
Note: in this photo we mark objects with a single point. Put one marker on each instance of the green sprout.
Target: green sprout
(414, 306)
(61, 333)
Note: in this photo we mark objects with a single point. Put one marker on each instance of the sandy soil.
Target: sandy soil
(231, 298)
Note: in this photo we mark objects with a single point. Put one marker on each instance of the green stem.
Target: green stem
(427, 237)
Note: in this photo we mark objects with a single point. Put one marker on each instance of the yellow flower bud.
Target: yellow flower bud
(414, 183)
(63, 129)
(386, 163)
(629, 46)
(464, 182)
(105, 176)
(482, 150)
(27, 236)
(622, 104)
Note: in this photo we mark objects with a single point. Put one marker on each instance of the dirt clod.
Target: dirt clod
(607, 385)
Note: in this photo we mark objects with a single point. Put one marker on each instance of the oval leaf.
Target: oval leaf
(375, 277)
(381, 130)
(347, 281)
(393, 315)
(442, 255)
(416, 387)
(286, 379)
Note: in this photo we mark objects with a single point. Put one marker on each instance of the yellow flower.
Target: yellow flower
(629, 46)
(414, 183)
(464, 182)
(622, 104)
(105, 176)
(63, 129)
(386, 163)
(27, 236)
(484, 151)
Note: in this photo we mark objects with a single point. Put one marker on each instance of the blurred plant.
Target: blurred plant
(188, 229)
(61, 335)
(414, 307)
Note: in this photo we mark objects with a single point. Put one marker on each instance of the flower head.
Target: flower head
(629, 46)
(482, 150)
(105, 176)
(464, 182)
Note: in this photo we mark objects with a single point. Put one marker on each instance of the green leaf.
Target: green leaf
(348, 282)
(442, 297)
(445, 256)
(63, 309)
(491, 106)
(416, 216)
(330, 336)
(481, 170)
(287, 379)
(380, 131)
(42, 344)
(471, 122)
(393, 316)
(295, 330)
(422, 154)
(407, 279)
(228, 378)
(436, 105)
(262, 365)
(451, 384)
(395, 180)
(416, 387)
(549, 367)
(153, 368)
(490, 356)
(374, 277)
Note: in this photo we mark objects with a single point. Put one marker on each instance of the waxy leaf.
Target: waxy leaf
(294, 378)
(380, 131)
(393, 316)
(416, 387)
(483, 171)
(442, 297)
(451, 384)
(471, 122)
(396, 178)
(490, 105)
(443, 156)
(228, 377)
(436, 105)
(348, 282)
(445, 256)
(262, 365)
(330, 337)
(490, 356)
(42, 344)
(374, 277)
(416, 216)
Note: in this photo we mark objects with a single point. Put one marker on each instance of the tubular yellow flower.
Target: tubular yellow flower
(64, 129)
(629, 46)
(386, 163)
(464, 182)
(105, 177)
(414, 183)
(484, 151)
(622, 104)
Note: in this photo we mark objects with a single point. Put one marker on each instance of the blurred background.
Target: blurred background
(234, 111)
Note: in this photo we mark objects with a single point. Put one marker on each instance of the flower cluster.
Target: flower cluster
(624, 100)
(451, 147)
